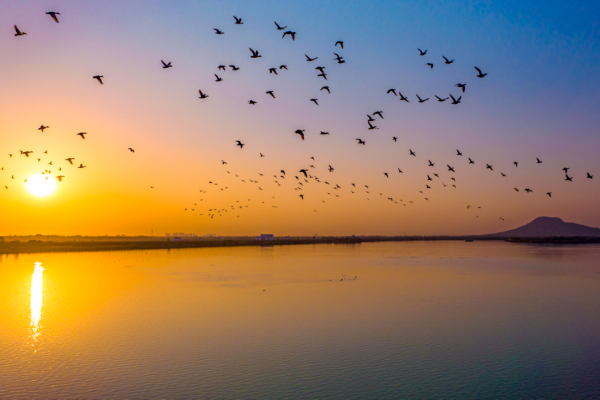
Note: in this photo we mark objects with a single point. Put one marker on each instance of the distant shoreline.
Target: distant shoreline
(91, 245)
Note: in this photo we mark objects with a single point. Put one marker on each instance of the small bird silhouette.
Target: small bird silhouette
(280, 27)
(53, 14)
(300, 132)
(19, 33)
(254, 54)
(310, 59)
(218, 32)
(99, 78)
(446, 61)
(480, 75)
(82, 134)
(238, 21)
(166, 65)
(340, 43)
(238, 143)
(42, 128)
(422, 52)
(202, 95)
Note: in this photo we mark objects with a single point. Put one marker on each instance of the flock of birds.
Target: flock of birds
(308, 175)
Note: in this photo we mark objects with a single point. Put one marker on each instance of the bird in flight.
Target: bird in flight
(324, 133)
(360, 141)
(446, 61)
(324, 75)
(516, 163)
(42, 127)
(254, 53)
(280, 28)
(238, 21)
(53, 14)
(70, 160)
(402, 98)
(292, 34)
(421, 100)
(302, 196)
(568, 178)
(219, 79)
(378, 113)
(450, 168)
(223, 162)
(589, 176)
(549, 194)
(26, 153)
(82, 134)
(273, 71)
(386, 174)
(300, 132)
(166, 65)
(422, 52)
(202, 95)
(480, 74)
(218, 31)
(394, 138)
(326, 88)
(233, 67)
(330, 170)
(314, 101)
(488, 166)
(252, 102)
(455, 101)
(99, 77)
(283, 67)
(461, 86)
(304, 171)
(81, 166)
(131, 150)
(538, 161)
(458, 153)
(528, 190)
(412, 153)
(19, 33)
(60, 177)
(440, 99)
(340, 43)
(271, 93)
(431, 164)
(471, 161)
(371, 126)
(310, 59)
(239, 144)
(392, 91)
(430, 65)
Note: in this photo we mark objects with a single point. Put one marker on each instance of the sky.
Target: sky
(539, 100)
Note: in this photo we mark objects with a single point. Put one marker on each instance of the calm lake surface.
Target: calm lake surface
(420, 320)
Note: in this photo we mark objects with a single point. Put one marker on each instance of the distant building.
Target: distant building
(265, 237)
(176, 239)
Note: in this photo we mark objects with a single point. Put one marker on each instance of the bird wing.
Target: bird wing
(478, 70)
(17, 29)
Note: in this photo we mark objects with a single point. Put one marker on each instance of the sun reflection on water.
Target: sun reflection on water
(36, 301)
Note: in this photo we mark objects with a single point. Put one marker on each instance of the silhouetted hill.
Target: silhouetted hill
(548, 226)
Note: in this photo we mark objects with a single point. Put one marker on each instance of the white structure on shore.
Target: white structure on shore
(265, 236)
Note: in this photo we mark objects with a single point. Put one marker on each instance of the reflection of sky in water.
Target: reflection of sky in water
(36, 300)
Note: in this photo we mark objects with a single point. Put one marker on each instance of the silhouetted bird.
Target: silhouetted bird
(219, 79)
(131, 150)
(538, 161)
(233, 67)
(271, 93)
(471, 161)
(314, 101)
(480, 75)
(19, 33)
(446, 61)
(402, 98)
(378, 113)
(326, 88)
(283, 67)
(202, 95)
(324, 133)
(310, 59)
(421, 100)
(70, 160)
(238, 143)
(462, 86)
(392, 91)
(280, 27)
(430, 65)
(412, 153)
(549, 194)
(422, 52)
(568, 178)
(455, 101)
(360, 141)
(42, 127)
(340, 43)
(394, 138)
(251, 102)
(589, 176)
(254, 54)
(165, 65)
(300, 132)
(488, 166)
(53, 14)
(82, 134)
(218, 32)
(99, 77)
(458, 153)
(440, 99)
(292, 34)
(238, 21)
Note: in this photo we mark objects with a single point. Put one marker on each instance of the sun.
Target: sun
(40, 185)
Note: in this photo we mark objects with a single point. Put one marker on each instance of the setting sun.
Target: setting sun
(40, 185)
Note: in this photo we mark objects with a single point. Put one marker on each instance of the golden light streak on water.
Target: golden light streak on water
(36, 301)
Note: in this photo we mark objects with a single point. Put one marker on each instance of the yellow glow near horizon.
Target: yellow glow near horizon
(36, 300)
(40, 185)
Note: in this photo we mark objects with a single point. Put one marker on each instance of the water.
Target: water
(421, 320)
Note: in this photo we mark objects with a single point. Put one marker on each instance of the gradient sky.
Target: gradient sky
(540, 99)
